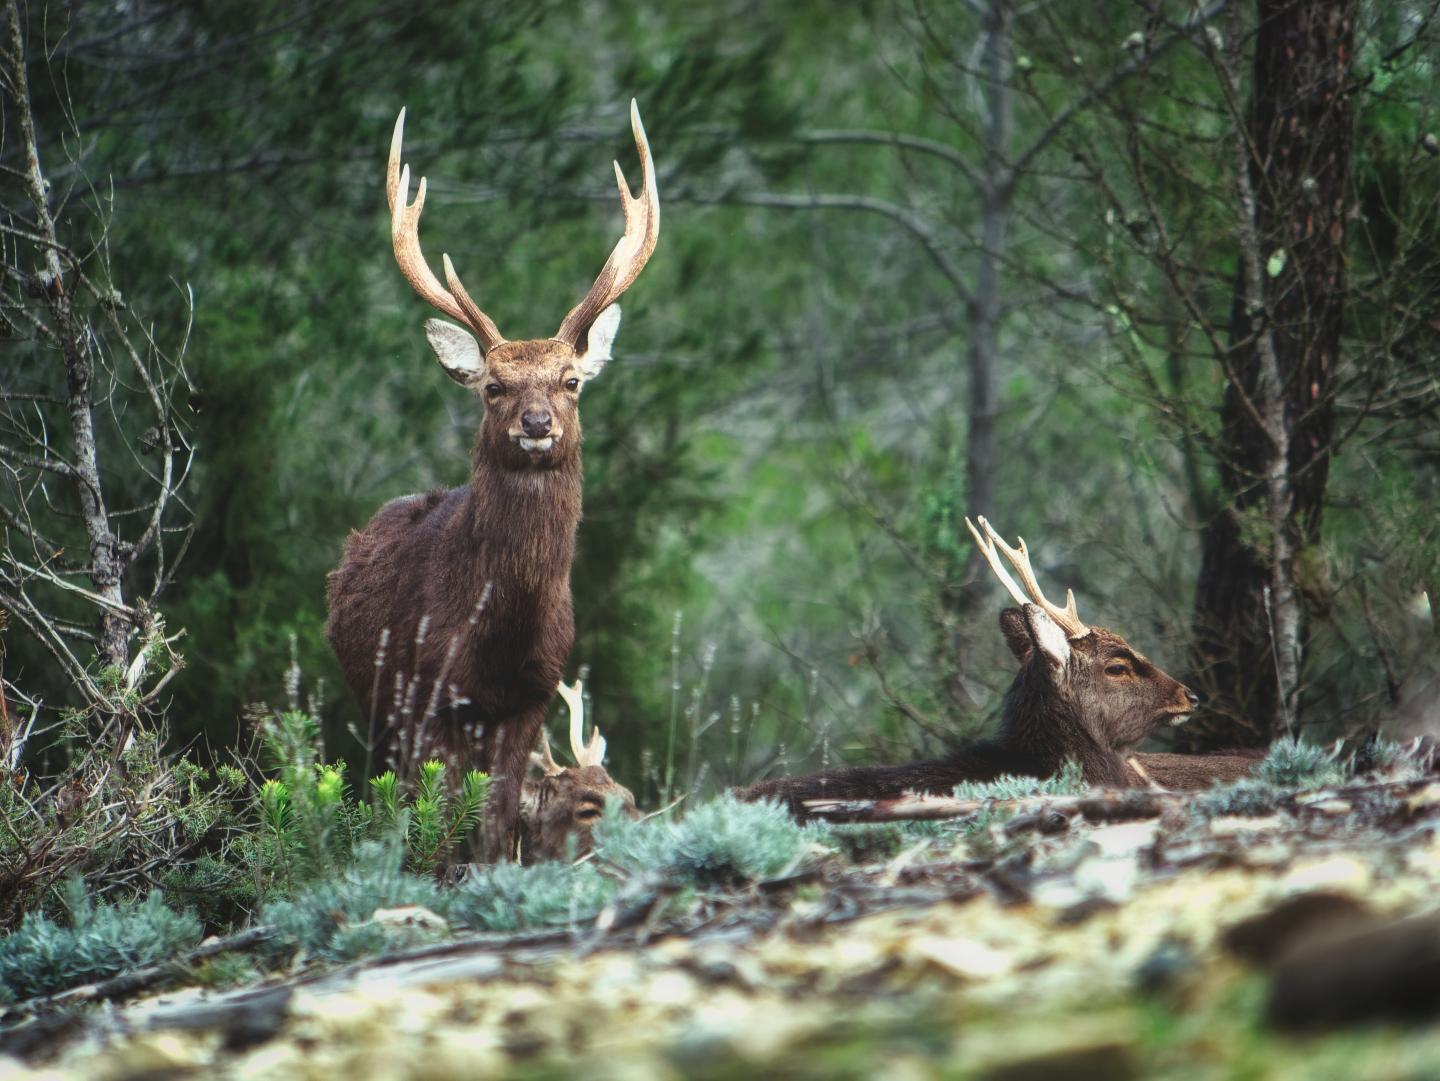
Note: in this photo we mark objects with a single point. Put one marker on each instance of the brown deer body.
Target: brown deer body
(1081, 692)
(1187, 772)
(450, 612)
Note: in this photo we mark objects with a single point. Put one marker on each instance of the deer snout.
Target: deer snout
(1193, 698)
(536, 423)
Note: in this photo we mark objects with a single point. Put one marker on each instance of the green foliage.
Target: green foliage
(723, 842)
(511, 897)
(306, 815)
(95, 941)
(111, 816)
(312, 822)
(1294, 764)
(332, 918)
(433, 821)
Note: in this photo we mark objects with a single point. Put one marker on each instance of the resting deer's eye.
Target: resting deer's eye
(493, 390)
(1117, 669)
(587, 814)
(572, 384)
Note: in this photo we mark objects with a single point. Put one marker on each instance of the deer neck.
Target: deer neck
(524, 521)
(1048, 727)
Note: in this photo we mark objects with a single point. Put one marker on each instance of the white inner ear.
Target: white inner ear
(457, 351)
(598, 343)
(1049, 636)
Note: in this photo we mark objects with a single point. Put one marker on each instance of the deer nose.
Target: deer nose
(536, 423)
(1194, 698)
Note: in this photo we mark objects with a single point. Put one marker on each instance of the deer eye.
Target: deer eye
(493, 390)
(1117, 669)
(572, 384)
(587, 814)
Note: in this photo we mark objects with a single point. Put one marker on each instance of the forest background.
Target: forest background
(1152, 284)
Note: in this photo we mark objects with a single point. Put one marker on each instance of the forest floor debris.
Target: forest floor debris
(1294, 936)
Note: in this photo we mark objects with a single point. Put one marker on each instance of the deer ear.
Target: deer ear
(598, 342)
(456, 350)
(1017, 635)
(1048, 636)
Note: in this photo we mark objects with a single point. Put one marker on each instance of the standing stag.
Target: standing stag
(450, 611)
(1082, 692)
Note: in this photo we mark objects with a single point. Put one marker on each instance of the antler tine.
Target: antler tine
(405, 238)
(632, 251)
(544, 759)
(1019, 558)
(586, 754)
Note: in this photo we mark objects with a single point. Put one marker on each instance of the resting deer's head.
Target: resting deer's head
(559, 810)
(531, 389)
(1073, 670)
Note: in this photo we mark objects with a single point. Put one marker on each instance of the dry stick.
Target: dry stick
(1102, 806)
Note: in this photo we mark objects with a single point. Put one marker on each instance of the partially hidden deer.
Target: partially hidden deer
(1081, 693)
(560, 809)
(451, 610)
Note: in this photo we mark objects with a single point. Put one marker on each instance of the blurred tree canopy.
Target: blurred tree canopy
(919, 260)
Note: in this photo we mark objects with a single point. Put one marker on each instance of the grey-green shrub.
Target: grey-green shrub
(723, 842)
(1293, 763)
(1070, 781)
(97, 941)
(333, 917)
(509, 897)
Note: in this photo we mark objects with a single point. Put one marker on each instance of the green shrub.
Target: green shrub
(113, 813)
(433, 822)
(97, 941)
(723, 842)
(509, 897)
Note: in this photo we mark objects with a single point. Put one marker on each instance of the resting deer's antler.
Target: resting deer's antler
(632, 251)
(586, 754)
(544, 759)
(1019, 558)
(405, 237)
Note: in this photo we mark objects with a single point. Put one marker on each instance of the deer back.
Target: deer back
(1186, 772)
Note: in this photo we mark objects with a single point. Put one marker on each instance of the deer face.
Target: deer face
(1110, 687)
(531, 389)
(558, 811)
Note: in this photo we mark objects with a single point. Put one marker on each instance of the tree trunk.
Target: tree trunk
(1285, 329)
(985, 310)
(73, 339)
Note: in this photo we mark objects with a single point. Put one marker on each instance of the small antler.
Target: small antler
(1067, 617)
(405, 237)
(586, 754)
(632, 251)
(543, 758)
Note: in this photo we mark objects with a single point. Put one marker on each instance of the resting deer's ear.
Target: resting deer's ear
(1048, 636)
(599, 340)
(1017, 635)
(457, 351)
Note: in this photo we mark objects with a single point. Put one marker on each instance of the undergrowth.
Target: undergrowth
(91, 941)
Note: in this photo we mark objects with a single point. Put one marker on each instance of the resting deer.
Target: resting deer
(1082, 692)
(454, 606)
(558, 811)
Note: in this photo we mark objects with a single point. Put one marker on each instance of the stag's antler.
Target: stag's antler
(543, 758)
(642, 230)
(405, 236)
(586, 754)
(1067, 617)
